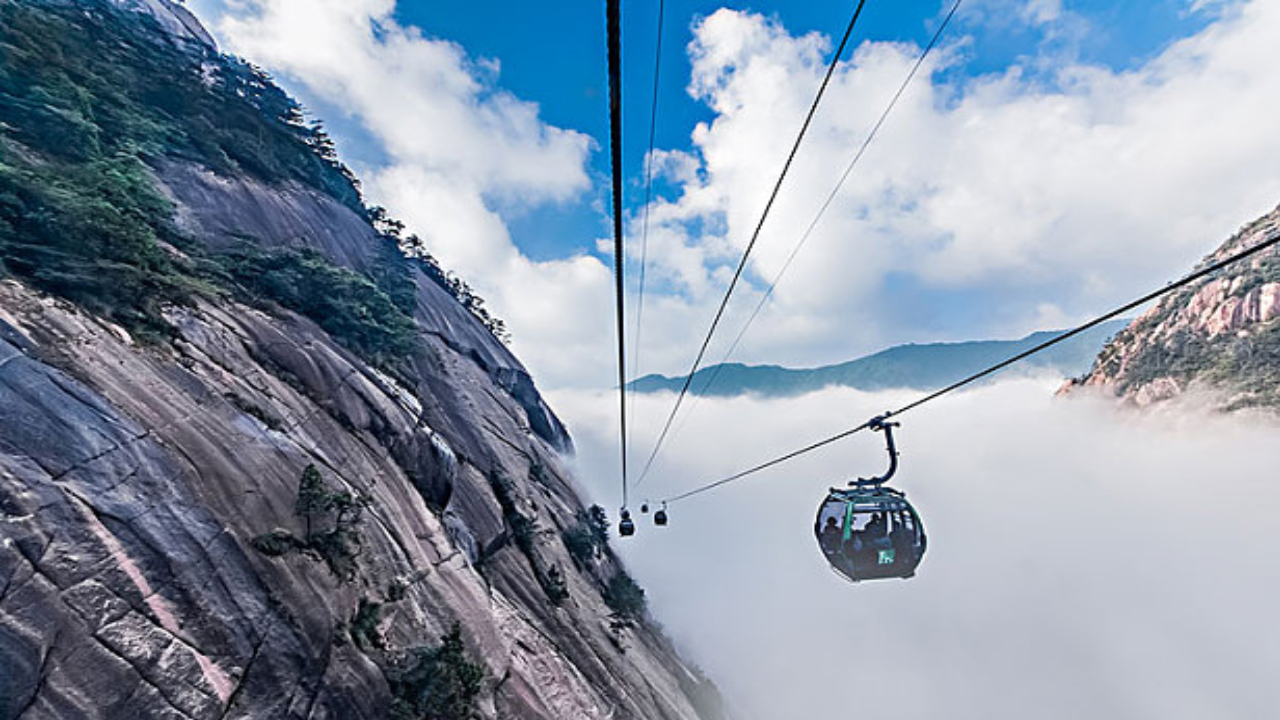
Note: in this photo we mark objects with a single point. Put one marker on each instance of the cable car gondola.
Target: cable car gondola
(869, 531)
(626, 526)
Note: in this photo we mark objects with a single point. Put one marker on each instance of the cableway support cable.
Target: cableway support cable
(613, 12)
(1153, 295)
(813, 224)
(755, 235)
(644, 223)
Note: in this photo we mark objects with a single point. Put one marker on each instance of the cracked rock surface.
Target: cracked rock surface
(1218, 336)
(133, 479)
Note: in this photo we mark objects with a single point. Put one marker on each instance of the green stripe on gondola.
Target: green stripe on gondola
(848, 520)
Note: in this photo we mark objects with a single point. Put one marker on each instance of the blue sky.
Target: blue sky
(1054, 159)
(553, 54)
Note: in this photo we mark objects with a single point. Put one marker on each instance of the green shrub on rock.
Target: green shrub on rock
(436, 683)
(330, 532)
(624, 597)
(348, 305)
(588, 538)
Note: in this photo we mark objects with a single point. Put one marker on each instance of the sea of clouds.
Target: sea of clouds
(1085, 560)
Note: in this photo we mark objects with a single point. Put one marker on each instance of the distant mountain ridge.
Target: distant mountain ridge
(922, 367)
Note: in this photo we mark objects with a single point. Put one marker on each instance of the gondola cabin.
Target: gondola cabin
(660, 517)
(870, 533)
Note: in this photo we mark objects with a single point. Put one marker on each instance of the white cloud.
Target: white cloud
(1047, 15)
(987, 206)
(427, 101)
(1084, 561)
(1210, 6)
(1078, 194)
(1040, 12)
(458, 146)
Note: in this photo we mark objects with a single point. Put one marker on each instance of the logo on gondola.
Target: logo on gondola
(886, 557)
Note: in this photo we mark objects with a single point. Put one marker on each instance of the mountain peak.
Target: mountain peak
(1220, 333)
(173, 17)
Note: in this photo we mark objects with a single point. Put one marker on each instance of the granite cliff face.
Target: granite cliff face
(142, 484)
(1220, 334)
(173, 17)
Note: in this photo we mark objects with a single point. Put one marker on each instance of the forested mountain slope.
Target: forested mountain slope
(254, 462)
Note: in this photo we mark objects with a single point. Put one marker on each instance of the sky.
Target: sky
(1052, 159)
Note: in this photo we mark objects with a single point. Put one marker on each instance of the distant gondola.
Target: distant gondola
(869, 531)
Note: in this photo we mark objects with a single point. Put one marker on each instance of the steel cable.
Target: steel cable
(1170, 287)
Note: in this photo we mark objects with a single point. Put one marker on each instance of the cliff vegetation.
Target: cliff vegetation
(1220, 334)
(260, 455)
(92, 98)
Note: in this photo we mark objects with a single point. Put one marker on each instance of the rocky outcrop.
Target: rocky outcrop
(1220, 334)
(155, 559)
(172, 17)
(224, 210)
(133, 479)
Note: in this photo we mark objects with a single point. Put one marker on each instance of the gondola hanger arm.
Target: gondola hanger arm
(881, 423)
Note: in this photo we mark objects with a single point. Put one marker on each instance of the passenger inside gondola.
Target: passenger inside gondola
(872, 545)
(902, 536)
(832, 535)
(870, 534)
(873, 524)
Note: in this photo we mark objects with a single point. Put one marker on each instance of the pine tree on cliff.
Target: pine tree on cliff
(313, 497)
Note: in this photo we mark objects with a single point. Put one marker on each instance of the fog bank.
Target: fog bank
(1084, 560)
